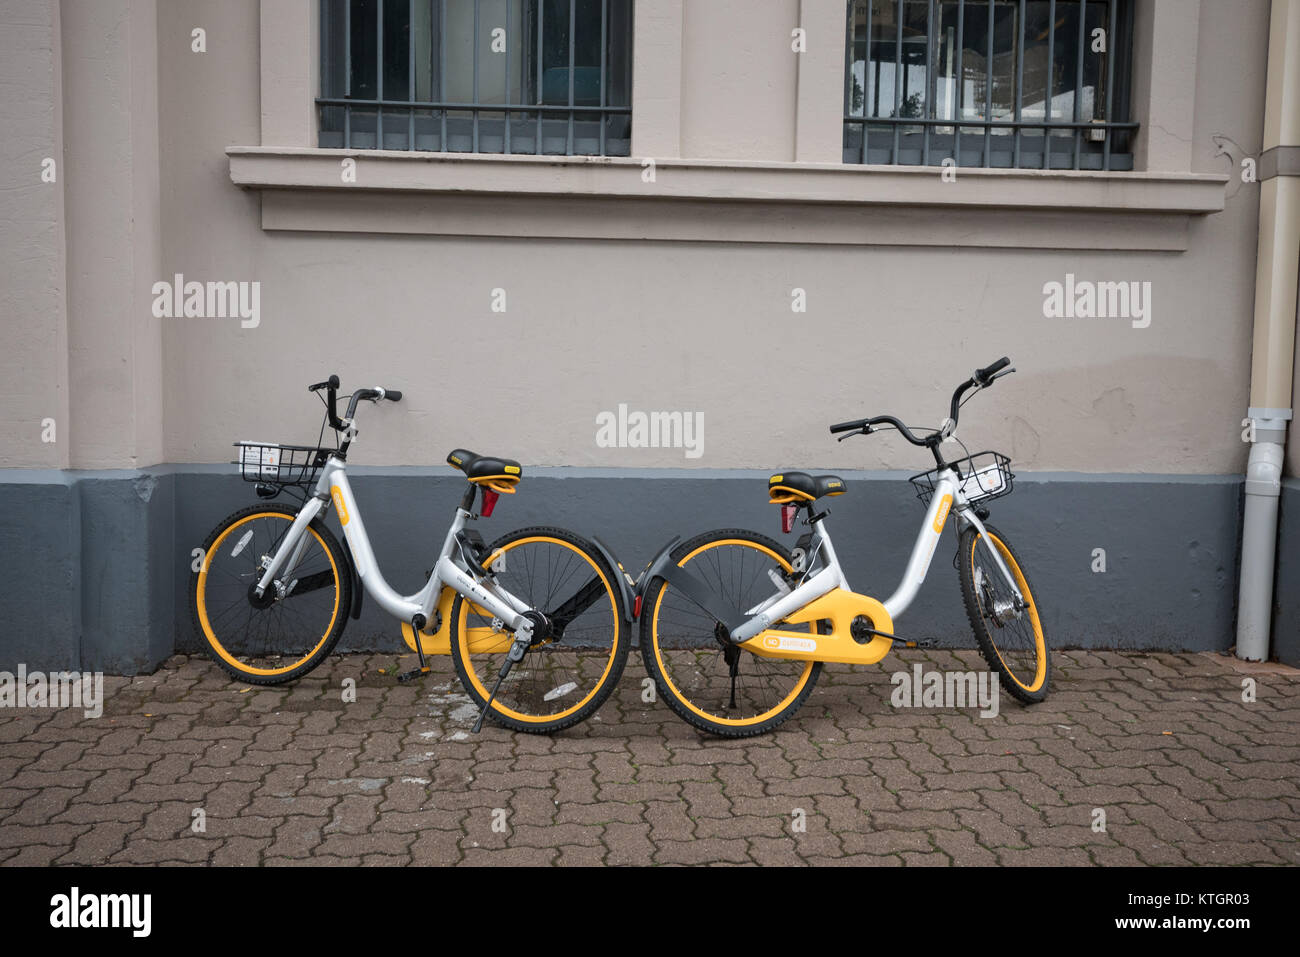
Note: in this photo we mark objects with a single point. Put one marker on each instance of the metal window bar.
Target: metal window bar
(867, 84)
(442, 73)
(1110, 81)
(410, 72)
(929, 82)
(961, 80)
(571, 112)
(898, 73)
(541, 5)
(505, 142)
(1049, 112)
(604, 10)
(572, 42)
(475, 43)
(1078, 76)
(347, 72)
(988, 88)
(849, 34)
(1107, 125)
(1021, 33)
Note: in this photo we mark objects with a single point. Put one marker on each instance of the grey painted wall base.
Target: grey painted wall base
(97, 564)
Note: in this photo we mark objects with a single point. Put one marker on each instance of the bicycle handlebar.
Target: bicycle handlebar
(331, 385)
(981, 378)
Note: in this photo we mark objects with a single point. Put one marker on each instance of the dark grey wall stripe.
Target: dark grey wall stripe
(97, 563)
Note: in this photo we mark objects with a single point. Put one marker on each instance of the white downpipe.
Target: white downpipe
(1272, 366)
(1258, 550)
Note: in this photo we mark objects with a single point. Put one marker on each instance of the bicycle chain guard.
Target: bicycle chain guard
(841, 608)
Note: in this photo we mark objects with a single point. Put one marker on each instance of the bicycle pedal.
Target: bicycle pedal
(411, 675)
(918, 643)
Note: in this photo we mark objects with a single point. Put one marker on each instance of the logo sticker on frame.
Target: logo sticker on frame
(337, 494)
(942, 515)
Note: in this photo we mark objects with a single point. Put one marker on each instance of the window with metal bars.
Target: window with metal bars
(1038, 84)
(477, 76)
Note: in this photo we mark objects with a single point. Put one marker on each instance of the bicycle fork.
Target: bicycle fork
(999, 608)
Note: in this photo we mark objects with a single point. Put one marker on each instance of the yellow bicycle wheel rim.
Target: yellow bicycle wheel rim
(1040, 641)
(201, 601)
(663, 671)
(463, 636)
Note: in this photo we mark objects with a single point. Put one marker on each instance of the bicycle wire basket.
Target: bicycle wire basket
(982, 477)
(273, 464)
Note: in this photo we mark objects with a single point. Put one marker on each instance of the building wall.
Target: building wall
(1150, 415)
(680, 326)
(33, 292)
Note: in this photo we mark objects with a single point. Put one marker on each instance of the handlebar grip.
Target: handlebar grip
(983, 374)
(392, 395)
(331, 383)
(848, 426)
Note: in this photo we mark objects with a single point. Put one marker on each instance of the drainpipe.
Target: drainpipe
(1272, 361)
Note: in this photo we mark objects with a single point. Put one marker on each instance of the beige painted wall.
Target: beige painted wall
(113, 204)
(33, 295)
(739, 79)
(693, 327)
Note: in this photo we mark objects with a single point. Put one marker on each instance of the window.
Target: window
(477, 76)
(1039, 84)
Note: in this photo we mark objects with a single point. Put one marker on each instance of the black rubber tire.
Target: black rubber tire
(681, 708)
(985, 638)
(341, 617)
(619, 648)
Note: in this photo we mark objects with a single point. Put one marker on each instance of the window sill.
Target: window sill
(712, 201)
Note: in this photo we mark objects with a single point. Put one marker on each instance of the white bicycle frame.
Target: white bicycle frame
(948, 497)
(450, 569)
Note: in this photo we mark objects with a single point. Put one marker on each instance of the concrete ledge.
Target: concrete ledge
(696, 200)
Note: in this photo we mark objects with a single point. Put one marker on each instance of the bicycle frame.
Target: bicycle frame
(333, 486)
(827, 593)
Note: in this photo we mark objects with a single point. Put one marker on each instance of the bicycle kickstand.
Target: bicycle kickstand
(513, 657)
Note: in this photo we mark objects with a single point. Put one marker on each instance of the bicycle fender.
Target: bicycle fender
(624, 581)
(655, 566)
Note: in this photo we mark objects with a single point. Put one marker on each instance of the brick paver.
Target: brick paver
(1163, 744)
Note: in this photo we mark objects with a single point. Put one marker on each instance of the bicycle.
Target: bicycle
(536, 623)
(735, 628)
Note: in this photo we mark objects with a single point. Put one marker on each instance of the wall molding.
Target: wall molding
(714, 201)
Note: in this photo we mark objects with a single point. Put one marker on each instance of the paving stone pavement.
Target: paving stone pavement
(1184, 770)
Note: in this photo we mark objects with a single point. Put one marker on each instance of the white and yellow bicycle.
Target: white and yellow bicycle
(537, 622)
(735, 627)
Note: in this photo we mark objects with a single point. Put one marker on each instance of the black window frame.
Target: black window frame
(570, 107)
(1063, 143)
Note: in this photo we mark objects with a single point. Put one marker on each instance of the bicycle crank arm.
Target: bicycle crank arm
(906, 643)
(417, 625)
